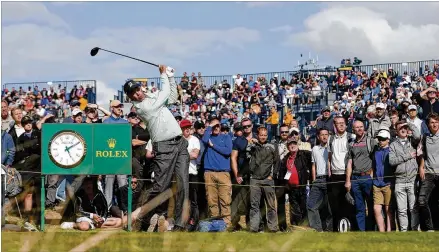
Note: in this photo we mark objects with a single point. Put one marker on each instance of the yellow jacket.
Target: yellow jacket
(273, 118)
(288, 119)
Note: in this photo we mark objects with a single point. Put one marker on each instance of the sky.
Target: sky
(45, 41)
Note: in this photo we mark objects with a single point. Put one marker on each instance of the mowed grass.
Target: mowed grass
(239, 241)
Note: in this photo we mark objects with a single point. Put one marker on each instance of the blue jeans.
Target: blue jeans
(362, 189)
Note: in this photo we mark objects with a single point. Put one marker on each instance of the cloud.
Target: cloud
(30, 12)
(40, 52)
(376, 33)
(283, 28)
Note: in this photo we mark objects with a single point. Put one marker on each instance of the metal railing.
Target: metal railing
(401, 67)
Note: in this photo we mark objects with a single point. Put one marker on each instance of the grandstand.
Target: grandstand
(307, 113)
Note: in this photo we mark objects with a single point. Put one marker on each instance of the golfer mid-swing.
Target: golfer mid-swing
(169, 147)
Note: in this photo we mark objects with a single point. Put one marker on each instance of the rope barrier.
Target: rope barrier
(275, 186)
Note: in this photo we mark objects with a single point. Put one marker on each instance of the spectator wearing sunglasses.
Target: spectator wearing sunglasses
(295, 135)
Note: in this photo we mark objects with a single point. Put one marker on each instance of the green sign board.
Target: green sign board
(87, 149)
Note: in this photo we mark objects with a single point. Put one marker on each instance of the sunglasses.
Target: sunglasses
(294, 133)
(134, 182)
(284, 132)
(380, 139)
(246, 126)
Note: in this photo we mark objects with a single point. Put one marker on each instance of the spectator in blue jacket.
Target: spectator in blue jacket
(218, 148)
(8, 149)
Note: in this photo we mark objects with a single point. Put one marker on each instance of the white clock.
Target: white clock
(67, 149)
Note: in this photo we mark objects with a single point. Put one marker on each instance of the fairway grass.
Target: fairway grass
(230, 242)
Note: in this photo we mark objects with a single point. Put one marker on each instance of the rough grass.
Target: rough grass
(239, 241)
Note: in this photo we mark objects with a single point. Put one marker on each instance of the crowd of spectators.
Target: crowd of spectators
(376, 144)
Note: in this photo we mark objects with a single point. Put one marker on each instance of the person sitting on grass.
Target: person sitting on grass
(91, 209)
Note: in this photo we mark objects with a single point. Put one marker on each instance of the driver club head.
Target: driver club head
(94, 51)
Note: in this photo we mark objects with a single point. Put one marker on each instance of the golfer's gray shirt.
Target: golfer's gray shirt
(157, 117)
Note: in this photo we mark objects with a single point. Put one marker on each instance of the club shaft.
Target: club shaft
(130, 57)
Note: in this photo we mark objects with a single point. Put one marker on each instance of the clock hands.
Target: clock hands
(68, 148)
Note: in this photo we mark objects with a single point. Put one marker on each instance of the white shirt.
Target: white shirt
(193, 144)
(19, 130)
(320, 158)
(417, 122)
(339, 153)
(157, 117)
(239, 81)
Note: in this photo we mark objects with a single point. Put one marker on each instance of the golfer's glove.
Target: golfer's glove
(170, 72)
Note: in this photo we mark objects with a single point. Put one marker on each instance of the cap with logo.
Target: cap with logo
(26, 120)
(130, 86)
(413, 107)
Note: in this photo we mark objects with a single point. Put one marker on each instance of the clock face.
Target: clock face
(67, 149)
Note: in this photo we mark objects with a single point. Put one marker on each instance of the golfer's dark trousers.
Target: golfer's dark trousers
(171, 156)
(265, 188)
(339, 206)
(297, 201)
(318, 206)
(427, 186)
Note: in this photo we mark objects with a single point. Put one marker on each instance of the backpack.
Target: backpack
(14, 183)
(212, 226)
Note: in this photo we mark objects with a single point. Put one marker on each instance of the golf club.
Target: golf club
(95, 51)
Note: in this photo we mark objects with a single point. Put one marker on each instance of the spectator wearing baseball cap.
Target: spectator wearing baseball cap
(194, 151)
(413, 117)
(74, 105)
(116, 117)
(383, 177)
(295, 135)
(379, 121)
(116, 113)
(326, 121)
(77, 116)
